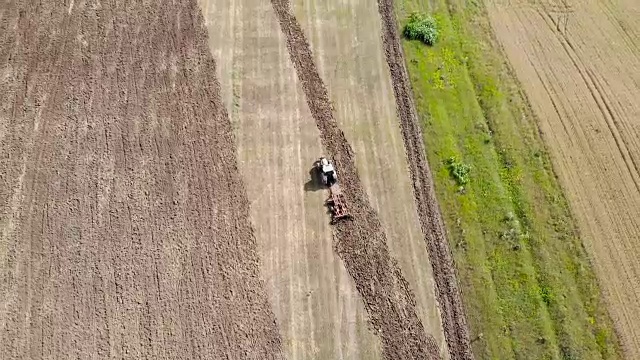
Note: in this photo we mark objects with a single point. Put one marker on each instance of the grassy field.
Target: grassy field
(528, 287)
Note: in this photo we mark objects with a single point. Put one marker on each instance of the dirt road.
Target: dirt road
(123, 217)
(579, 63)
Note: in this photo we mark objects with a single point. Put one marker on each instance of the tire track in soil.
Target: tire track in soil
(360, 242)
(454, 318)
(131, 237)
(592, 149)
(597, 94)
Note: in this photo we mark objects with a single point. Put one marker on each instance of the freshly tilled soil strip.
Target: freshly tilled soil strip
(447, 291)
(127, 223)
(361, 242)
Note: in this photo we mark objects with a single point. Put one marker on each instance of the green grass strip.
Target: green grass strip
(528, 287)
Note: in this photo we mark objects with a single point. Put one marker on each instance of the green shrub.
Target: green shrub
(421, 27)
(458, 171)
(546, 294)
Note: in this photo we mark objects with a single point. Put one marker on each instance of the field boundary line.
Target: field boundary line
(447, 291)
(360, 242)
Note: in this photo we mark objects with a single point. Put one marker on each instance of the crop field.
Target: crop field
(125, 222)
(579, 63)
(157, 200)
(523, 269)
(265, 75)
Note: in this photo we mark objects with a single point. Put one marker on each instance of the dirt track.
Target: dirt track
(579, 64)
(361, 242)
(124, 222)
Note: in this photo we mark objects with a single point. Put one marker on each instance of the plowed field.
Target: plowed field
(125, 228)
(579, 63)
(124, 222)
(275, 87)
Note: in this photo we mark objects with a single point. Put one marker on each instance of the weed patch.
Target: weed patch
(458, 171)
(421, 27)
(527, 283)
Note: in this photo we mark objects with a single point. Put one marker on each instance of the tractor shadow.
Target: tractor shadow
(315, 182)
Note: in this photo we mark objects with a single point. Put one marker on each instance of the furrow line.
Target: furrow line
(360, 242)
(447, 291)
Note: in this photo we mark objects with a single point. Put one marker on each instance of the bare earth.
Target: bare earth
(275, 127)
(361, 241)
(579, 63)
(125, 228)
(347, 46)
(124, 223)
(320, 313)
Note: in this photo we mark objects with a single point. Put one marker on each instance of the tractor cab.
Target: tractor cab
(329, 176)
(336, 202)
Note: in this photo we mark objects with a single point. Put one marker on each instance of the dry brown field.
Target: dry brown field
(154, 186)
(275, 126)
(125, 229)
(579, 64)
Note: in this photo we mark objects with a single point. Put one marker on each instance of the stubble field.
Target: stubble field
(127, 231)
(579, 63)
(346, 46)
